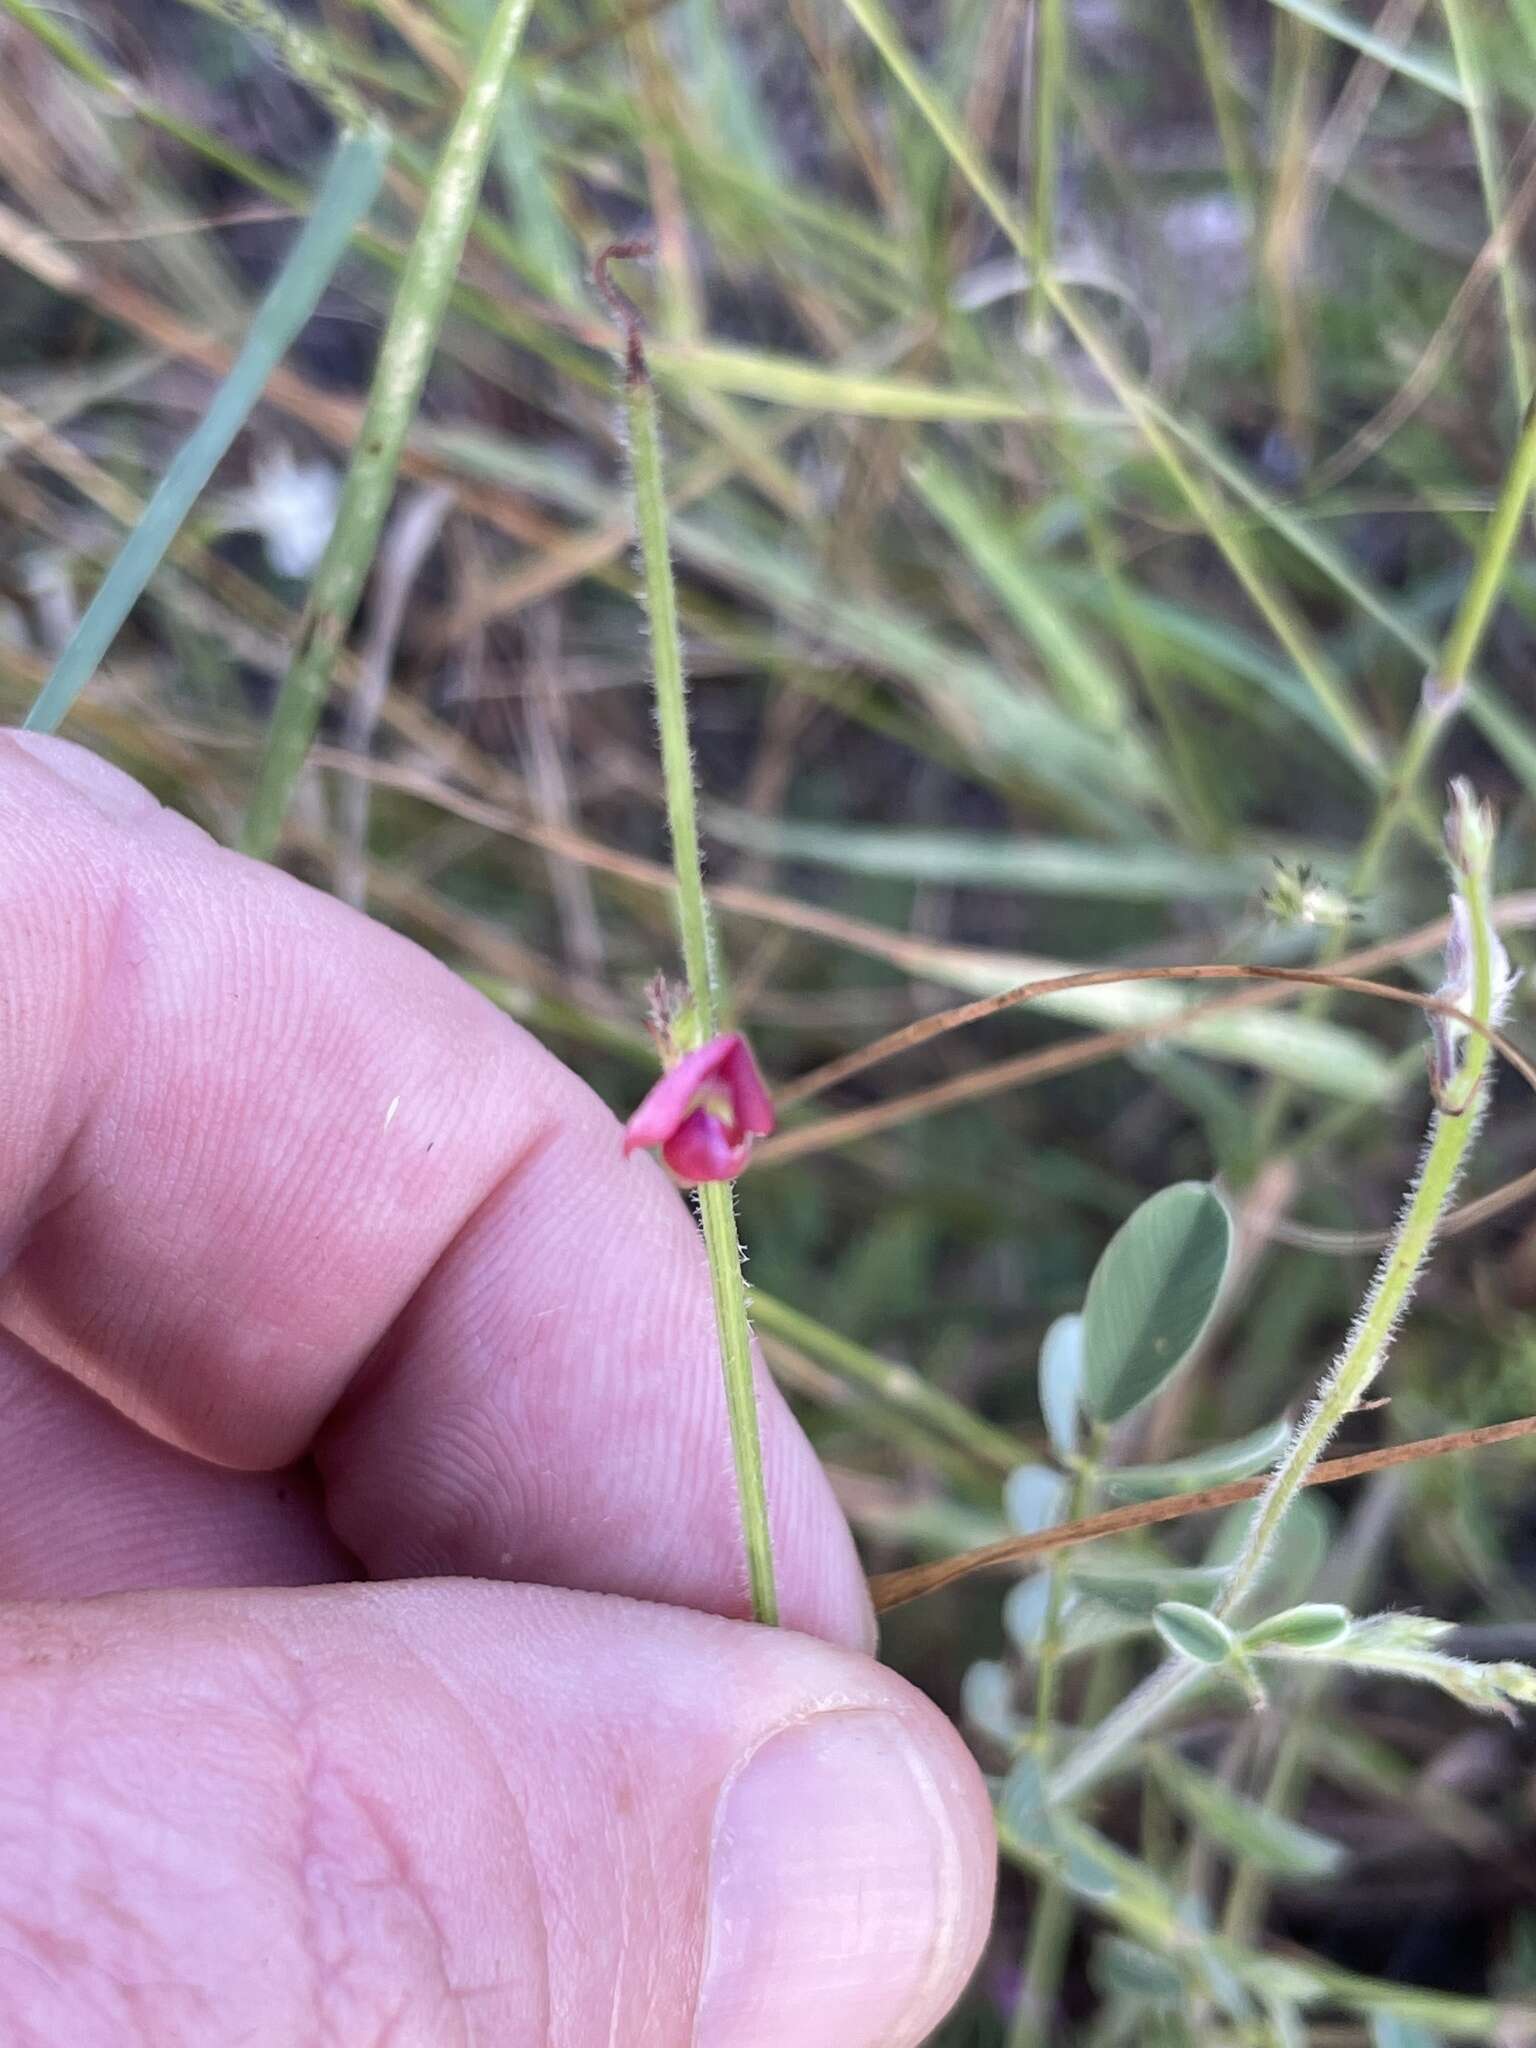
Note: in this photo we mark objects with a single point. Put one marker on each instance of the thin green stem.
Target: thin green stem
(1207, 506)
(1214, 515)
(1473, 73)
(1451, 1135)
(1055, 1911)
(1450, 1140)
(1446, 688)
(671, 695)
(1049, 83)
(405, 355)
(1491, 565)
(717, 1206)
(1050, 1931)
(1226, 105)
(996, 1450)
(346, 192)
(1048, 1658)
(296, 49)
(717, 1210)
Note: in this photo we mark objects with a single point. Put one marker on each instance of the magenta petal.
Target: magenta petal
(750, 1101)
(665, 1107)
(700, 1149)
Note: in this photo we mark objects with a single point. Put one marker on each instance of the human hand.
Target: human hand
(279, 1192)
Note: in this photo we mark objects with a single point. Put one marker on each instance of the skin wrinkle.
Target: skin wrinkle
(557, 1819)
(310, 1728)
(320, 1907)
(131, 2008)
(459, 1509)
(469, 1735)
(65, 1076)
(391, 1356)
(60, 1832)
(99, 1016)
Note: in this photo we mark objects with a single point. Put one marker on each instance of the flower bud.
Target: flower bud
(1470, 830)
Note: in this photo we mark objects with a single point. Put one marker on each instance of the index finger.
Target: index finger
(272, 1178)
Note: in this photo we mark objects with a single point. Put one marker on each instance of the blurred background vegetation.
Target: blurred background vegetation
(1042, 592)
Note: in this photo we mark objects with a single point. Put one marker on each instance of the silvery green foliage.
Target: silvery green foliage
(1315, 1626)
(1191, 1632)
(1034, 1498)
(1060, 1384)
(1408, 1646)
(1239, 1459)
(1245, 1826)
(1152, 1296)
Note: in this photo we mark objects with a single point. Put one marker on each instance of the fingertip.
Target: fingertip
(108, 790)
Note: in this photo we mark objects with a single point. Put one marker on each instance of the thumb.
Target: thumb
(453, 1812)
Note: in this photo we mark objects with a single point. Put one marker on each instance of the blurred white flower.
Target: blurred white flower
(292, 505)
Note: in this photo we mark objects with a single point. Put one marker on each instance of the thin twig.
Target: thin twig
(894, 1589)
(926, 1028)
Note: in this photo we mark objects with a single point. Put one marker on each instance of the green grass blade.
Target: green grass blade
(813, 387)
(973, 860)
(346, 192)
(1084, 681)
(1431, 72)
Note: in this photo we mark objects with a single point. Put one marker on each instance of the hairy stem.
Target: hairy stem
(1451, 1135)
(717, 1205)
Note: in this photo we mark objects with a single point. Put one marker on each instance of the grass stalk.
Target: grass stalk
(1214, 517)
(1216, 62)
(1445, 690)
(1049, 85)
(717, 1205)
(1447, 687)
(346, 192)
(297, 50)
(1467, 55)
(410, 340)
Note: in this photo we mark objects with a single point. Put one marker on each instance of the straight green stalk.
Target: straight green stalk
(1446, 688)
(1050, 81)
(717, 1206)
(1482, 119)
(405, 356)
(1050, 1927)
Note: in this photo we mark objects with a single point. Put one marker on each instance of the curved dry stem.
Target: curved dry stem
(895, 1589)
(911, 1035)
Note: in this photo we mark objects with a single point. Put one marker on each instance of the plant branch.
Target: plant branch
(717, 1205)
(1461, 1098)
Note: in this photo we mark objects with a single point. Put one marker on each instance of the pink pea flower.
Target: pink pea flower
(705, 1112)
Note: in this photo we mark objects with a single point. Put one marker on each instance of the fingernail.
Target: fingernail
(835, 1893)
